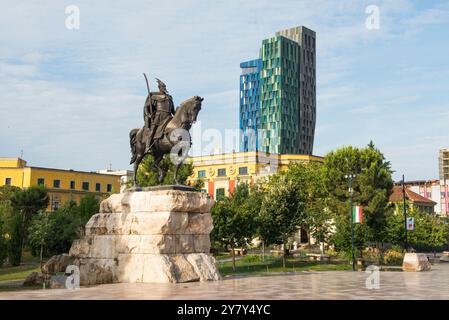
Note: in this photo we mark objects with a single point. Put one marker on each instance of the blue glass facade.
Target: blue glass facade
(249, 104)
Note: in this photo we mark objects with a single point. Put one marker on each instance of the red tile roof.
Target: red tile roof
(396, 196)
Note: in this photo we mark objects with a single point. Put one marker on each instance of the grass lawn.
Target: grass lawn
(253, 264)
(17, 273)
(29, 264)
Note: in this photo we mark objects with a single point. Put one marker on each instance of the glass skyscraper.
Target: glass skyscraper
(278, 95)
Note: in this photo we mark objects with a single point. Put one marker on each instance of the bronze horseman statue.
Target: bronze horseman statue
(165, 130)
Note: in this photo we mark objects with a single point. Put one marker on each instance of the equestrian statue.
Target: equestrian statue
(165, 130)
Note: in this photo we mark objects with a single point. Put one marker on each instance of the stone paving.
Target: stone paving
(433, 284)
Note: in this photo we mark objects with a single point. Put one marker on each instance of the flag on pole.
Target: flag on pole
(357, 214)
(410, 223)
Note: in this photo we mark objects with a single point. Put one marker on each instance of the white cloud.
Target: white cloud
(69, 98)
(429, 17)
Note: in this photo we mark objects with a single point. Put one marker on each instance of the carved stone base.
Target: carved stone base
(415, 262)
(148, 236)
(154, 268)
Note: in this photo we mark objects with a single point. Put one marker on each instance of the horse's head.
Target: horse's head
(188, 111)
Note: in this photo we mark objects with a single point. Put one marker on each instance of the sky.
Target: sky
(69, 97)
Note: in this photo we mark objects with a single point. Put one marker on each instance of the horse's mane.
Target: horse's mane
(185, 104)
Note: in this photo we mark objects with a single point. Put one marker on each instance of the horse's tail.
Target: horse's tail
(133, 142)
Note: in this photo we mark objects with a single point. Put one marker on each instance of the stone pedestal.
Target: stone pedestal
(148, 236)
(445, 256)
(415, 262)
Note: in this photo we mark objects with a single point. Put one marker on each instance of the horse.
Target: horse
(172, 138)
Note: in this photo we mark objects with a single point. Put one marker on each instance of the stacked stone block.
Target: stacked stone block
(148, 236)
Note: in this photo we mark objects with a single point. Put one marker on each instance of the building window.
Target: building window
(222, 172)
(56, 183)
(86, 186)
(109, 187)
(8, 181)
(243, 170)
(41, 181)
(201, 173)
(72, 184)
(219, 193)
(98, 187)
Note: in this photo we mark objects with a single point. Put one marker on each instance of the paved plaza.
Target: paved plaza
(301, 285)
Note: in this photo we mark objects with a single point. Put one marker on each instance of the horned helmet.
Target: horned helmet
(161, 85)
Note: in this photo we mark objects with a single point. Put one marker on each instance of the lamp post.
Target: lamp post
(405, 213)
(351, 178)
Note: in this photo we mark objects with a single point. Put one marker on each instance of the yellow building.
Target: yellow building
(62, 185)
(221, 172)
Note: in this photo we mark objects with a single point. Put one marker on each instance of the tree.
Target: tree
(25, 203)
(64, 227)
(430, 231)
(282, 209)
(54, 233)
(6, 214)
(262, 226)
(147, 176)
(87, 207)
(311, 180)
(232, 223)
(4, 217)
(38, 233)
(372, 187)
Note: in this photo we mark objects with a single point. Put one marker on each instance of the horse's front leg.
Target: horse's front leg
(157, 160)
(136, 167)
(175, 175)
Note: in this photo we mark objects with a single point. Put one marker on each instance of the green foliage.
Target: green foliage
(341, 239)
(15, 239)
(3, 232)
(64, 227)
(430, 233)
(25, 203)
(88, 206)
(233, 223)
(54, 233)
(38, 232)
(393, 257)
(311, 180)
(23, 220)
(372, 187)
(6, 220)
(147, 176)
(252, 206)
(283, 208)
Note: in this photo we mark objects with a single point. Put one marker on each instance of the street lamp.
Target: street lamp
(405, 213)
(351, 177)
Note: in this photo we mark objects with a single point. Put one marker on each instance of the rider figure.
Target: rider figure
(158, 107)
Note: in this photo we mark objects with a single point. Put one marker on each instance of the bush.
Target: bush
(64, 227)
(254, 258)
(54, 233)
(3, 249)
(393, 257)
(15, 242)
(3, 238)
